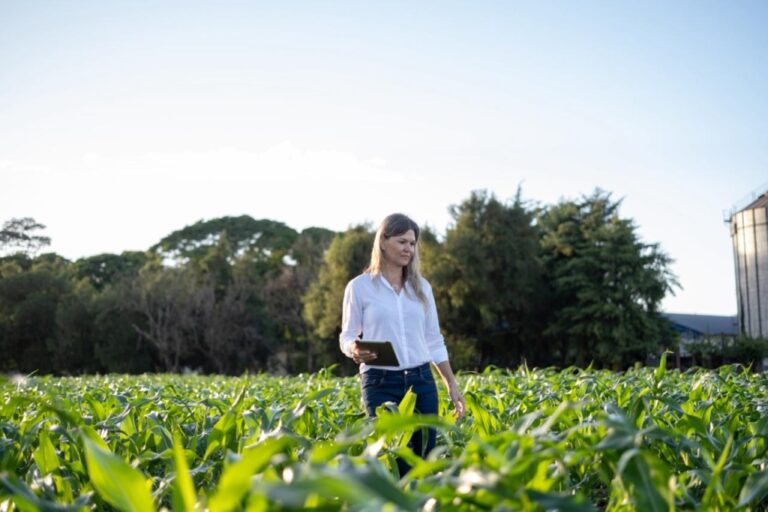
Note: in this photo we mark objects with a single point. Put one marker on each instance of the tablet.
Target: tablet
(385, 353)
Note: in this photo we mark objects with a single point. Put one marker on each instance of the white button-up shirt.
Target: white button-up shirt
(372, 307)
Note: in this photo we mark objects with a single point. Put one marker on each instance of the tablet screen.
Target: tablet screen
(385, 353)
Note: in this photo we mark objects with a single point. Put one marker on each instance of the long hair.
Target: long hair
(394, 225)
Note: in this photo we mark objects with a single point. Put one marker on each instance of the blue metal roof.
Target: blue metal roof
(705, 324)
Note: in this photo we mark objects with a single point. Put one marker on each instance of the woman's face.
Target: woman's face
(399, 249)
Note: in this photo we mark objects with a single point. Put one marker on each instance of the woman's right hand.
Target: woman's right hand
(361, 355)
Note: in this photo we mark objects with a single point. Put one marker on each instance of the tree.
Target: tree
(29, 299)
(105, 269)
(206, 313)
(118, 345)
(215, 265)
(605, 285)
(165, 300)
(18, 233)
(282, 295)
(486, 277)
(72, 344)
(231, 329)
(234, 330)
(347, 256)
(264, 239)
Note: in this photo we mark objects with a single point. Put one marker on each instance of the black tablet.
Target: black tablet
(385, 353)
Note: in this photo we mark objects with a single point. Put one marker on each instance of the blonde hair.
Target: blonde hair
(394, 225)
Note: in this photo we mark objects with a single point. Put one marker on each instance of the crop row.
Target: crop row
(645, 439)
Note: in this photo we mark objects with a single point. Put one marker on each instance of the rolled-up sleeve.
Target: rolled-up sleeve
(351, 319)
(432, 334)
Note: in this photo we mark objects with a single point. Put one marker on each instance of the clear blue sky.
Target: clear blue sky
(123, 121)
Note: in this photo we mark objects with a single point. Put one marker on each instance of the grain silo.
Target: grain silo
(749, 232)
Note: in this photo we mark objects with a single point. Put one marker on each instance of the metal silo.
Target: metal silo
(749, 232)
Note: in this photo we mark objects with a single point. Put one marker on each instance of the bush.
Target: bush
(748, 351)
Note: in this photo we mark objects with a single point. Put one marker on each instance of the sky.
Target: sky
(121, 122)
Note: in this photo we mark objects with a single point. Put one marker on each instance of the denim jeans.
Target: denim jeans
(381, 386)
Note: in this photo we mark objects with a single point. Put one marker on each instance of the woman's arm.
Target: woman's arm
(444, 369)
(351, 326)
(351, 321)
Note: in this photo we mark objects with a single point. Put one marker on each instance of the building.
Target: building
(694, 328)
(749, 233)
(717, 331)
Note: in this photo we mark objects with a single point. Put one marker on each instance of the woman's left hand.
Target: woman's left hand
(458, 401)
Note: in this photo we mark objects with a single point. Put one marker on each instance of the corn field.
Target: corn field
(573, 440)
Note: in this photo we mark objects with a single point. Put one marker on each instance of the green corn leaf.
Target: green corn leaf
(361, 489)
(66, 414)
(45, 454)
(761, 427)
(121, 485)
(221, 429)
(128, 426)
(183, 487)
(324, 451)
(648, 488)
(755, 488)
(661, 370)
(96, 407)
(561, 503)
(406, 408)
(392, 424)
(715, 483)
(23, 497)
(313, 397)
(296, 495)
(257, 503)
(488, 424)
(236, 479)
(64, 489)
(26, 500)
(408, 403)
(224, 427)
(385, 489)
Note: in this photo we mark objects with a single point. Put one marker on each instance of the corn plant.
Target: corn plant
(533, 439)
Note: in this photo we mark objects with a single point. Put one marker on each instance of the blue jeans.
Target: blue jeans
(381, 386)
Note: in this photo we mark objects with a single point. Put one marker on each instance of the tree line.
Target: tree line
(564, 284)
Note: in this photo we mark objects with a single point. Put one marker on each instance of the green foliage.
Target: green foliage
(71, 345)
(14, 264)
(714, 351)
(645, 439)
(283, 292)
(28, 304)
(119, 484)
(117, 344)
(225, 310)
(260, 238)
(215, 267)
(17, 236)
(485, 277)
(309, 248)
(184, 497)
(347, 256)
(567, 284)
(605, 285)
(106, 269)
(748, 351)
(202, 316)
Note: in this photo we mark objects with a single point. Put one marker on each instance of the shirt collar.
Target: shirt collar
(380, 277)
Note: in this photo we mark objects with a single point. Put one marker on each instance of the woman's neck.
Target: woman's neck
(392, 273)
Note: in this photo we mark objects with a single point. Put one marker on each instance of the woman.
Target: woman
(391, 301)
